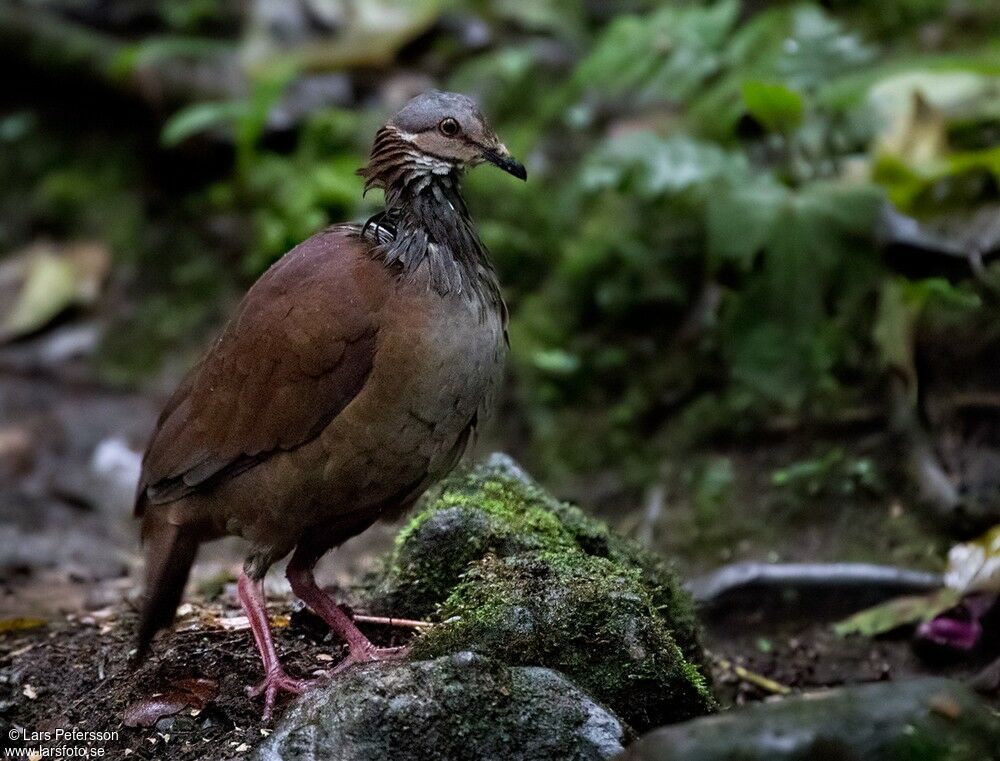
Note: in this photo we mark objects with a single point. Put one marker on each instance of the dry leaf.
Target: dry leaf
(193, 692)
(22, 623)
(975, 566)
(44, 280)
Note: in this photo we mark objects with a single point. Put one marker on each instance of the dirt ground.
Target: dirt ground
(75, 672)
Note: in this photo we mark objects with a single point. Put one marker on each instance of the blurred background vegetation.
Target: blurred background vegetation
(753, 261)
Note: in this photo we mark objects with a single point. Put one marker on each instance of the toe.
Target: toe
(275, 683)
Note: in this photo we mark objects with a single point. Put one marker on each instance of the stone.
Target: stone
(927, 719)
(460, 706)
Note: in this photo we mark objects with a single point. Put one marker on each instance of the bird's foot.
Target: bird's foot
(277, 681)
(370, 654)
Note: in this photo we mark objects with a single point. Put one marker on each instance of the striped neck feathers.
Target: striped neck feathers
(425, 219)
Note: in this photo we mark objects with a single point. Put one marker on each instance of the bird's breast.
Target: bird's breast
(438, 362)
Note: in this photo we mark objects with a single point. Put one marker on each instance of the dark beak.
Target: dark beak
(506, 162)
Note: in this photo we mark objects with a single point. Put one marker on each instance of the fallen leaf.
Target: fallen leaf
(240, 623)
(920, 136)
(975, 566)
(233, 623)
(945, 705)
(17, 453)
(901, 611)
(29, 692)
(21, 623)
(44, 280)
(191, 692)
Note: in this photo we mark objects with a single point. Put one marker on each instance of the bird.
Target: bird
(351, 377)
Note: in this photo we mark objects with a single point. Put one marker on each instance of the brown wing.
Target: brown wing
(299, 348)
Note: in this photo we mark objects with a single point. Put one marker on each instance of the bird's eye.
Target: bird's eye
(449, 127)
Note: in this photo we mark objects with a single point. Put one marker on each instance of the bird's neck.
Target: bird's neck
(426, 224)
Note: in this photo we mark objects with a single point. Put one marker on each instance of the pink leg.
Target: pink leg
(275, 679)
(361, 650)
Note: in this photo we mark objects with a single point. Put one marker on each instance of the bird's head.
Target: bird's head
(435, 133)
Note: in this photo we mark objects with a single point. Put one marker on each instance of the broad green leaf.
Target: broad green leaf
(741, 219)
(666, 55)
(799, 48)
(953, 181)
(556, 361)
(777, 107)
(651, 166)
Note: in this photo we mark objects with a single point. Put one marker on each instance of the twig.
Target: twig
(402, 623)
(751, 677)
(889, 581)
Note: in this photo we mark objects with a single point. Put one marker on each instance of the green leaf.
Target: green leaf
(200, 117)
(741, 219)
(650, 166)
(775, 106)
(556, 361)
(902, 611)
(666, 55)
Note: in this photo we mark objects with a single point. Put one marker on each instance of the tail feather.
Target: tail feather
(170, 553)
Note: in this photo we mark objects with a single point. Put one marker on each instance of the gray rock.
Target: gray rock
(918, 720)
(458, 707)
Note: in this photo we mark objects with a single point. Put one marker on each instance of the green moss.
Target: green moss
(582, 615)
(496, 508)
(527, 579)
(486, 510)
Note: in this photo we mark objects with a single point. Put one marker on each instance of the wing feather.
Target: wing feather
(298, 350)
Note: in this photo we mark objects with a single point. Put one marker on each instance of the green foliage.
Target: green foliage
(666, 55)
(957, 181)
(694, 252)
(830, 474)
(775, 106)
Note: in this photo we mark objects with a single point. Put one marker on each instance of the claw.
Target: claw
(277, 681)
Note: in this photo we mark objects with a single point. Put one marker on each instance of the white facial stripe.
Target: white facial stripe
(431, 163)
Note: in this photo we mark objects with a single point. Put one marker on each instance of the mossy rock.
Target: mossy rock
(582, 615)
(461, 706)
(522, 577)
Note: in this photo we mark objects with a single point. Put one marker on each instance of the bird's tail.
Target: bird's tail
(170, 552)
